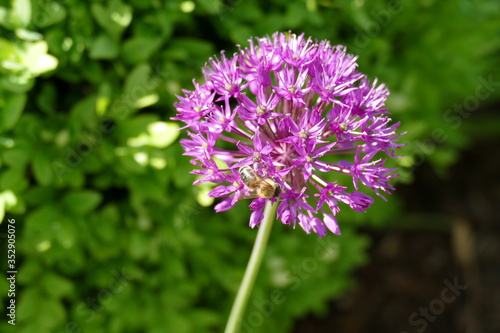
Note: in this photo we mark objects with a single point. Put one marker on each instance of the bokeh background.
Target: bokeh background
(112, 237)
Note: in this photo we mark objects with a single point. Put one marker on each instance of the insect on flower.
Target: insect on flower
(292, 120)
(258, 186)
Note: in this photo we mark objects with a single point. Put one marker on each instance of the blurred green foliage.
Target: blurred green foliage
(112, 236)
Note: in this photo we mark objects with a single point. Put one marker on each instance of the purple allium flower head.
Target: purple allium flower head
(301, 116)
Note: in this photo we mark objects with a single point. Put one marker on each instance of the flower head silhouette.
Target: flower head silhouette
(295, 117)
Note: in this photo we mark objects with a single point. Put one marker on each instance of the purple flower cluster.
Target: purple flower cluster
(298, 113)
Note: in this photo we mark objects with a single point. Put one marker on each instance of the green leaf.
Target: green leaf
(56, 286)
(7, 51)
(4, 18)
(29, 303)
(50, 13)
(137, 80)
(138, 245)
(52, 313)
(103, 47)
(211, 6)
(13, 179)
(82, 202)
(83, 113)
(17, 83)
(21, 12)
(42, 169)
(185, 48)
(204, 318)
(29, 35)
(30, 271)
(47, 98)
(12, 110)
(120, 13)
(139, 87)
(114, 18)
(36, 59)
(37, 195)
(103, 98)
(135, 126)
(140, 49)
(8, 200)
(162, 134)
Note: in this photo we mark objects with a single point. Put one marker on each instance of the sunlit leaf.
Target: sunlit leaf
(21, 11)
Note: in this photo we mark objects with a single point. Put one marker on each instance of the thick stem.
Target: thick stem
(240, 303)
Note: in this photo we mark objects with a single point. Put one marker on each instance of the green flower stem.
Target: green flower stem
(240, 303)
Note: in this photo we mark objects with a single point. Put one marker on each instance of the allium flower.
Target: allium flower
(299, 114)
